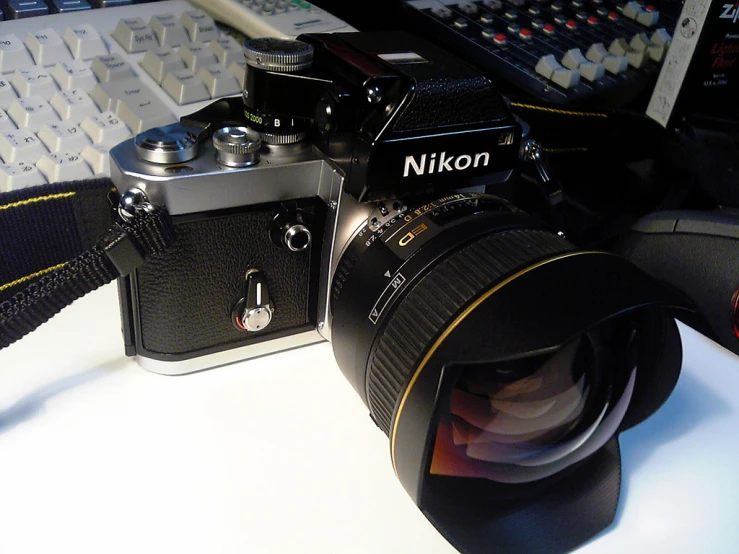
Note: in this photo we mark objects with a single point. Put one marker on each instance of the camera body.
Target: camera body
(377, 121)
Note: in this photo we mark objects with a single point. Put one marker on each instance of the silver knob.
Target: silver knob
(297, 238)
(236, 146)
(277, 54)
(171, 144)
(253, 312)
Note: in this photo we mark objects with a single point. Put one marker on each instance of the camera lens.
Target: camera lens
(524, 419)
(501, 362)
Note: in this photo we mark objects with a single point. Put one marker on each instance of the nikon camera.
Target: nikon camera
(356, 192)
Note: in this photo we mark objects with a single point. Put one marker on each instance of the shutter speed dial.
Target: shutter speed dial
(254, 311)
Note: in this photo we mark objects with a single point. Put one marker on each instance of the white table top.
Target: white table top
(278, 455)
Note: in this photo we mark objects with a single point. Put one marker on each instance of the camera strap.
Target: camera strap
(59, 242)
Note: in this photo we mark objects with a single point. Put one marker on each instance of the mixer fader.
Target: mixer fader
(557, 50)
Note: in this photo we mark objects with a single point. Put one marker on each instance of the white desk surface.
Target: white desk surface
(278, 455)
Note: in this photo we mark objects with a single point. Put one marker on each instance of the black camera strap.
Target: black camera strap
(59, 242)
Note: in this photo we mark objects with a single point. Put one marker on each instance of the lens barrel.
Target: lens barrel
(491, 351)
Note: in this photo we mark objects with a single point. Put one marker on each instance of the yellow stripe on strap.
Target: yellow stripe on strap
(31, 276)
(36, 200)
(557, 111)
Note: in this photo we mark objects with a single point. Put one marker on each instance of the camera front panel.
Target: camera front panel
(179, 306)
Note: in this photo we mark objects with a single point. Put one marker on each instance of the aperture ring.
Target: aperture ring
(430, 307)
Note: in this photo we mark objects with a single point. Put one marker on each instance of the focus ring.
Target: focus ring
(432, 304)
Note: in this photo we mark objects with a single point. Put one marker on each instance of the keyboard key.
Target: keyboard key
(106, 128)
(63, 137)
(185, 87)
(219, 81)
(69, 166)
(134, 35)
(197, 55)
(106, 95)
(109, 3)
(32, 81)
(19, 175)
(98, 156)
(111, 68)
(199, 26)
(64, 6)
(227, 50)
(21, 146)
(169, 30)
(238, 68)
(31, 113)
(160, 61)
(6, 124)
(84, 41)
(47, 47)
(20, 9)
(74, 74)
(13, 54)
(7, 94)
(74, 105)
(134, 103)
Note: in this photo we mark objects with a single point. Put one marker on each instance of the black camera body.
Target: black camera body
(377, 118)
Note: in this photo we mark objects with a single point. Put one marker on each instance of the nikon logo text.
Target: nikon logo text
(444, 163)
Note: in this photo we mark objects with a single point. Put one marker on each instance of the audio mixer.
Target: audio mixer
(556, 50)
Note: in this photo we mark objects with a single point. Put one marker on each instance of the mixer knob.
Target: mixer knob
(566, 78)
(467, 7)
(648, 17)
(460, 24)
(596, 53)
(660, 36)
(547, 65)
(442, 12)
(573, 58)
(636, 59)
(493, 5)
(632, 9)
(592, 71)
(619, 47)
(656, 52)
(615, 64)
(639, 42)
(525, 34)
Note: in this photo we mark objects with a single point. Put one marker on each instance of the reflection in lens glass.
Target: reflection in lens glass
(507, 421)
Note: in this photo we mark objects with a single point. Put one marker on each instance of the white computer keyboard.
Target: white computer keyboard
(73, 85)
